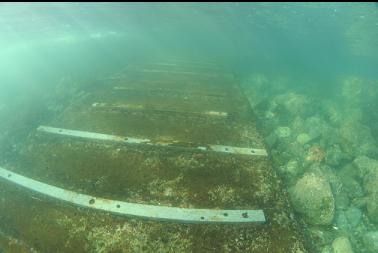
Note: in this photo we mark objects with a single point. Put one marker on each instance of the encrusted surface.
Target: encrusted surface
(150, 175)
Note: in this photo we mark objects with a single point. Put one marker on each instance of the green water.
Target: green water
(309, 71)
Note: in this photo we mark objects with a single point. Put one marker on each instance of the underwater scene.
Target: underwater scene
(189, 127)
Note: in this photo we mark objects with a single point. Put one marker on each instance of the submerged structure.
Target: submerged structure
(162, 156)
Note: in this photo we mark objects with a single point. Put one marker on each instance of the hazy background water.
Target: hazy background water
(312, 43)
(47, 46)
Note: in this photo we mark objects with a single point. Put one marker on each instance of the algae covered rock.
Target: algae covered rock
(370, 240)
(293, 168)
(312, 197)
(283, 132)
(357, 91)
(315, 126)
(356, 139)
(293, 103)
(371, 187)
(365, 165)
(303, 138)
(368, 170)
(342, 245)
(372, 206)
(335, 156)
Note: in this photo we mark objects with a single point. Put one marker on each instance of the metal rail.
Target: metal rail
(161, 213)
(132, 140)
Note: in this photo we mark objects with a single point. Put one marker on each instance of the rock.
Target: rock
(331, 111)
(351, 185)
(303, 138)
(372, 206)
(291, 170)
(370, 240)
(298, 124)
(321, 235)
(293, 103)
(315, 126)
(337, 113)
(352, 114)
(354, 216)
(360, 202)
(283, 132)
(312, 197)
(327, 249)
(315, 154)
(335, 156)
(341, 221)
(356, 139)
(294, 149)
(357, 91)
(368, 169)
(368, 148)
(342, 201)
(330, 136)
(365, 165)
(255, 88)
(292, 167)
(269, 115)
(342, 245)
(331, 177)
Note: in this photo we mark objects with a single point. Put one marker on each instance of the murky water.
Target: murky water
(235, 108)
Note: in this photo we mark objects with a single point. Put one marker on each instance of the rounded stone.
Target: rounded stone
(372, 206)
(370, 240)
(368, 169)
(293, 167)
(303, 138)
(335, 156)
(341, 221)
(354, 216)
(283, 132)
(312, 197)
(327, 249)
(342, 245)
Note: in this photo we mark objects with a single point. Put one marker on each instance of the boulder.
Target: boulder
(368, 170)
(312, 197)
(283, 132)
(342, 245)
(356, 139)
(303, 138)
(370, 240)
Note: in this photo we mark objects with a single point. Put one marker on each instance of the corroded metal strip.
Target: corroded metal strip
(197, 62)
(182, 66)
(142, 107)
(173, 144)
(91, 135)
(205, 95)
(176, 72)
(237, 150)
(163, 213)
(189, 65)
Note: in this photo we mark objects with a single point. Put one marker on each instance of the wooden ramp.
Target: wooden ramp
(163, 156)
